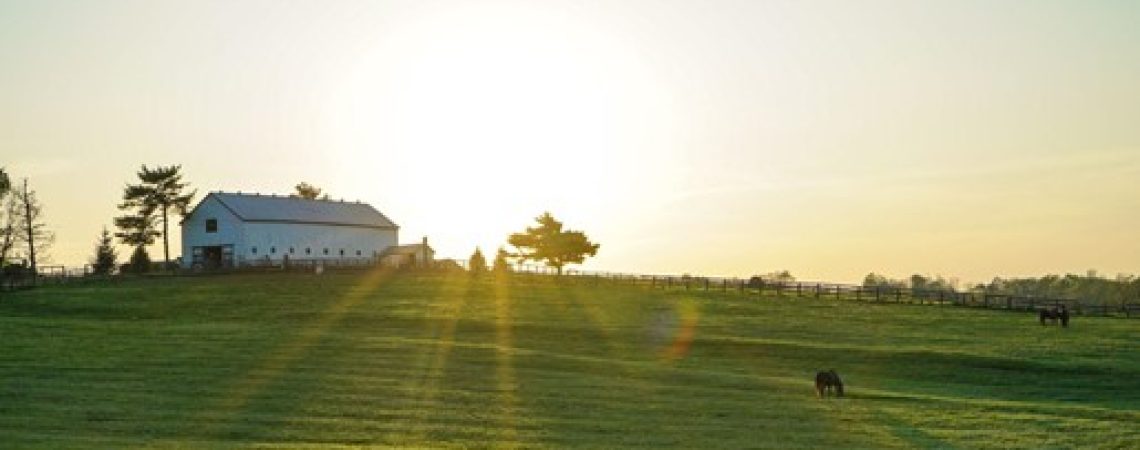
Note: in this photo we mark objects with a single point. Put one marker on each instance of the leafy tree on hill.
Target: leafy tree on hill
(161, 191)
(477, 264)
(501, 265)
(549, 243)
(105, 255)
(306, 190)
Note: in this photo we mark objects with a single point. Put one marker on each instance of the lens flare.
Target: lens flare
(681, 326)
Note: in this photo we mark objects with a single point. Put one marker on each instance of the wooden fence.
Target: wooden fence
(759, 287)
(756, 286)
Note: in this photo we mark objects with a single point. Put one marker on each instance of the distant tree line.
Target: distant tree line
(916, 282)
(1091, 286)
(1121, 289)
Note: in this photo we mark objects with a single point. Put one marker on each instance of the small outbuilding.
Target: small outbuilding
(411, 255)
(236, 229)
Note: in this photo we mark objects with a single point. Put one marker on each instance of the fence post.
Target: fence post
(706, 284)
(858, 294)
(898, 295)
(724, 285)
(817, 286)
(799, 289)
(876, 294)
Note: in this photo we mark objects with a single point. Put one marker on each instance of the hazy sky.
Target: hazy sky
(968, 139)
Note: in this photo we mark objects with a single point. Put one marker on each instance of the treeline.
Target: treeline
(916, 282)
(1112, 291)
(1091, 286)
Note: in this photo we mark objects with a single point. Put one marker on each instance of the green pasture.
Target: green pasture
(377, 359)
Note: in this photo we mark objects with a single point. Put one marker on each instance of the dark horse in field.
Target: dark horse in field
(1053, 314)
(825, 381)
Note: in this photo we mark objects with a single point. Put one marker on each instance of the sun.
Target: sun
(498, 115)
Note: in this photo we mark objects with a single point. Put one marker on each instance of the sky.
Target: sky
(968, 139)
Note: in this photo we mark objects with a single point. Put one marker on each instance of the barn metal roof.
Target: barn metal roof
(282, 209)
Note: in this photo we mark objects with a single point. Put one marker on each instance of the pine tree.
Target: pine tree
(501, 265)
(105, 255)
(140, 260)
(9, 217)
(478, 264)
(5, 183)
(160, 192)
(138, 232)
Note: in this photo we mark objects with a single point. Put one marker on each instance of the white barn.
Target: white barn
(228, 230)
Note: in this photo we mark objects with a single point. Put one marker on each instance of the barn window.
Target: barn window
(358, 253)
(342, 252)
(308, 250)
(326, 250)
(273, 250)
(290, 250)
(211, 225)
(254, 250)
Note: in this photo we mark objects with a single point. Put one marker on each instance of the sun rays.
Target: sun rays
(286, 355)
(461, 305)
(455, 295)
(504, 362)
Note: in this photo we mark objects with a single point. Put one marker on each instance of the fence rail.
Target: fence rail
(759, 287)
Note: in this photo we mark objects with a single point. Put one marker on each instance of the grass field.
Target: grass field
(450, 361)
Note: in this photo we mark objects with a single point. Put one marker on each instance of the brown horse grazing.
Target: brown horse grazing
(825, 381)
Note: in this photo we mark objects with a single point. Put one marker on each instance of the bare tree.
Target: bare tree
(30, 225)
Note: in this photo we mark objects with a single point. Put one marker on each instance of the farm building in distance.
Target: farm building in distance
(234, 230)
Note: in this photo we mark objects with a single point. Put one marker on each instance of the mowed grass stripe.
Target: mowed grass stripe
(452, 361)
